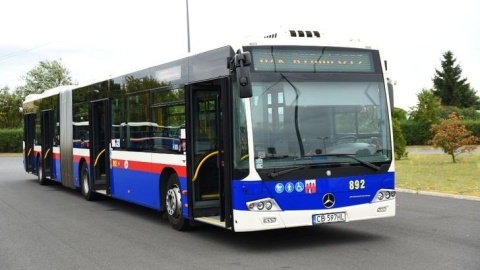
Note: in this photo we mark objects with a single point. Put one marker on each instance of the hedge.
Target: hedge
(416, 133)
(11, 140)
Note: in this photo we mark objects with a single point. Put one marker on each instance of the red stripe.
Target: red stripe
(77, 158)
(138, 165)
(147, 167)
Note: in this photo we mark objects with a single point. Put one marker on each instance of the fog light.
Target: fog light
(260, 205)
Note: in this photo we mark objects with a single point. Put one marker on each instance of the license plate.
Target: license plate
(329, 218)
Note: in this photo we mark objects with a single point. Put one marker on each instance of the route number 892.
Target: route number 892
(357, 184)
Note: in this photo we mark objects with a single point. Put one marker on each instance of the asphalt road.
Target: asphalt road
(52, 227)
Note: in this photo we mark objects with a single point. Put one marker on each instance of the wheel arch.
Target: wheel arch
(38, 157)
(164, 176)
(80, 165)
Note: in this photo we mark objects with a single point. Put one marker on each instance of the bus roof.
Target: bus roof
(283, 37)
(49, 92)
(298, 36)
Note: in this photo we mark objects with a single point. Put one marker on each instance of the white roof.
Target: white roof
(49, 92)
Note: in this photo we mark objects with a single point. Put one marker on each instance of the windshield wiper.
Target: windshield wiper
(365, 163)
(282, 172)
(275, 174)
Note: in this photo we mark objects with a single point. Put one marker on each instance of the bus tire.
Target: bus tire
(41, 178)
(85, 183)
(173, 204)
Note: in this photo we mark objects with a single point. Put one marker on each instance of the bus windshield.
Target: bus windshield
(301, 119)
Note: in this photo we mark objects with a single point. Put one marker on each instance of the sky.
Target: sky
(95, 38)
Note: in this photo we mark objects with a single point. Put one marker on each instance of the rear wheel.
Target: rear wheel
(85, 183)
(41, 178)
(173, 204)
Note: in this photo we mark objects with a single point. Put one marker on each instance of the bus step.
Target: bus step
(101, 191)
(214, 196)
(213, 220)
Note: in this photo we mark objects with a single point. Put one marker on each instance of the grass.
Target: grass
(10, 154)
(437, 172)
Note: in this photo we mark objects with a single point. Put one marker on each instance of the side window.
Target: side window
(118, 124)
(56, 115)
(168, 117)
(81, 136)
(138, 126)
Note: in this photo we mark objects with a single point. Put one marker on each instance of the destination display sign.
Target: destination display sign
(311, 60)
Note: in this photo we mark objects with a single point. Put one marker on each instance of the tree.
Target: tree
(427, 109)
(453, 137)
(10, 103)
(450, 88)
(45, 75)
(399, 114)
(399, 142)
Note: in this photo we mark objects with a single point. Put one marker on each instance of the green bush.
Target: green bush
(399, 141)
(466, 113)
(416, 133)
(473, 126)
(11, 140)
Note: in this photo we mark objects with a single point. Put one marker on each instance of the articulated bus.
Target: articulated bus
(286, 130)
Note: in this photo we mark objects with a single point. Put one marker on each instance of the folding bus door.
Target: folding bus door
(47, 129)
(100, 128)
(209, 185)
(29, 140)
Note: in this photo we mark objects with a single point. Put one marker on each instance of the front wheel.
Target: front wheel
(173, 204)
(85, 183)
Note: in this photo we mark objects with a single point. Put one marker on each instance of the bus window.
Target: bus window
(138, 124)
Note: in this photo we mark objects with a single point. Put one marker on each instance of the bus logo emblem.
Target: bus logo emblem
(328, 200)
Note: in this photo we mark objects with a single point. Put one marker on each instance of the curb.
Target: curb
(438, 194)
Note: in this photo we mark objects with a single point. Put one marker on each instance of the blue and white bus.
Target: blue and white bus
(286, 130)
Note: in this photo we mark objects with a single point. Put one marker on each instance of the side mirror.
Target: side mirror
(390, 93)
(241, 63)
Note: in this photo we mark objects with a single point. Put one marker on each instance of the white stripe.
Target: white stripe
(155, 158)
(83, 152)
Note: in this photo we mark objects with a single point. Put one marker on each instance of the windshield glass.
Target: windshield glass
(310, 119)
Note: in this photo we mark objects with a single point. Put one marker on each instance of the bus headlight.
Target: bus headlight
(384, 195)
(266, 204)
(260, 205)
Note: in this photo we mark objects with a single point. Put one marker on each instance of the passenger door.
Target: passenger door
(100, 130)
(47, 130)
(29, 140)
(208, 186)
